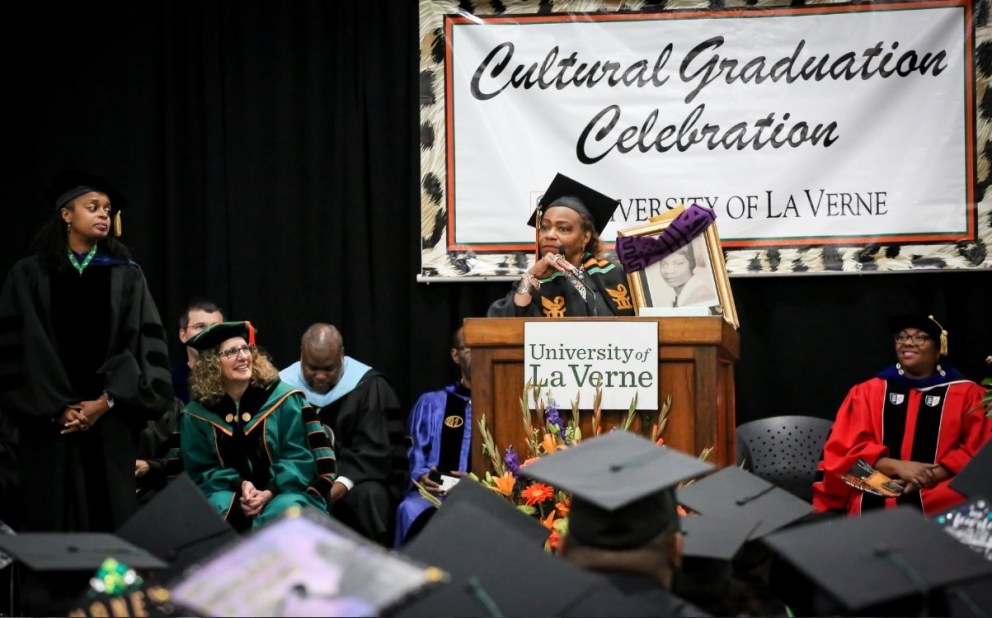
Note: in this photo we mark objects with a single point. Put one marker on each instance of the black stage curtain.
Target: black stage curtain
(270, 154)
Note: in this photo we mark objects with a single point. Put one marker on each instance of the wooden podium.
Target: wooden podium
(696, 358)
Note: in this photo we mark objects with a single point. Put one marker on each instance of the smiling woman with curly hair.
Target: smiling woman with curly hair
(244, 434)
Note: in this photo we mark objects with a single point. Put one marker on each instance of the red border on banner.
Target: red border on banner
(971, 207)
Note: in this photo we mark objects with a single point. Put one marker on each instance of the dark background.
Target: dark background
(270, 154)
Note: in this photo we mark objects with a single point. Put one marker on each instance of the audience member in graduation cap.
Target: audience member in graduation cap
(570, 277)
(917, 421)
(724, 570)
(244, 434)
(885, 563)
(623, 521)
(85, 362)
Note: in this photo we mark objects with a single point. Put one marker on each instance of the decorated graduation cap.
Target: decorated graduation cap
(622, 487)
(70, 184)
(925, 323)
(584, 200)
(894, 557)
(733, 507)
(216, 334)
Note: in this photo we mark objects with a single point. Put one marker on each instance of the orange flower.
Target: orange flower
(563, 507)
(537, 493)
(681, 511)
(549, 443)
(549, 521)
(553, 539)
(504, 484)
(661, 441)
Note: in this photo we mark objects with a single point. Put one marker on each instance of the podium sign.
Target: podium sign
(571, 359)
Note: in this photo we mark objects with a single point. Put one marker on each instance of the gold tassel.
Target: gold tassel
(117, 224)
(943, 336)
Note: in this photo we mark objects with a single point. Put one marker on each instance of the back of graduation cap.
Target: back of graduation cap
(733, 507)
(179, 525)
(975, 478)
(63, 566)
(563, 191)
(883, 562)
(303, 564)
(495, 568)
(622, 486)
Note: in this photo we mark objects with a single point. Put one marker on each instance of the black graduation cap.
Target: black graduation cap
(975, 478)
(75, 551)
(622, 487)
(494, 568)
(926, 323)
(598, 207)
(70, 184)
(179, 525)
(734, 507)
(473, 492)
(216, 334)
(881, 557)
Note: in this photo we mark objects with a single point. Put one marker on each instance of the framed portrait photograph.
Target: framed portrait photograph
(692, 281)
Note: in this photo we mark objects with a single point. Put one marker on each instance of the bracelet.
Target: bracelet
(527, 281)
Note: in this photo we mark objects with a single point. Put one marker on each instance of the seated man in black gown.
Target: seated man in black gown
(360, 409)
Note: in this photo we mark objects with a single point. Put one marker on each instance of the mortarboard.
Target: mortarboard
(179, 525)
(471, 491)
(598, 207)
(494, 568)
(216, 334)
(75, 551)
(926, 323)
(882, 556)
(302, 564)
(734, 507)
(622, 487)
(975, 478)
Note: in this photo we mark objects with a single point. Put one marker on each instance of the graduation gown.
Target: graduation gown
(435, 442)
(937, 420)
(263, 440)
(49, 358)
(608, 293)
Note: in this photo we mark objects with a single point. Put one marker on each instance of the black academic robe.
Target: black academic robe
(67, 478)
(369, 429)
(607, 293)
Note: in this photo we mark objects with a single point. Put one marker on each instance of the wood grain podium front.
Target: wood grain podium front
(696, 358)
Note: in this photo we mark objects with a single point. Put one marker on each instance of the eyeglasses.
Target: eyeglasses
(917, 338)
(234, 352)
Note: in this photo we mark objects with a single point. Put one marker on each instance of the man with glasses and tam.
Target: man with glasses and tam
(918, 421)
(244, 433)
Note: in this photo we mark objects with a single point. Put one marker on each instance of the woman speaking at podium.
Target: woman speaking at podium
(571, 278)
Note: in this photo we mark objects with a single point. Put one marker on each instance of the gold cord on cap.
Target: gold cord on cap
(943, 336)
(117, 224)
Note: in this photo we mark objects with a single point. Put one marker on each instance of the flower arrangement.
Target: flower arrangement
(553, 431)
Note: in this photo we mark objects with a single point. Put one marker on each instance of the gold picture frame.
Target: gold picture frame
(700, 266)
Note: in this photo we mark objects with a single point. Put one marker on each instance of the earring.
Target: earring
(941, 371)
(899, 369)
(68, 227)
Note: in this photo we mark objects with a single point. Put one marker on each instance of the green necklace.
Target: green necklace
(86, 261)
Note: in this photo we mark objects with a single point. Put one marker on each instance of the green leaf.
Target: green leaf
(526, 508)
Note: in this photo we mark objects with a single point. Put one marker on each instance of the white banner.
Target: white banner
(844, 125)
(571, 359)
